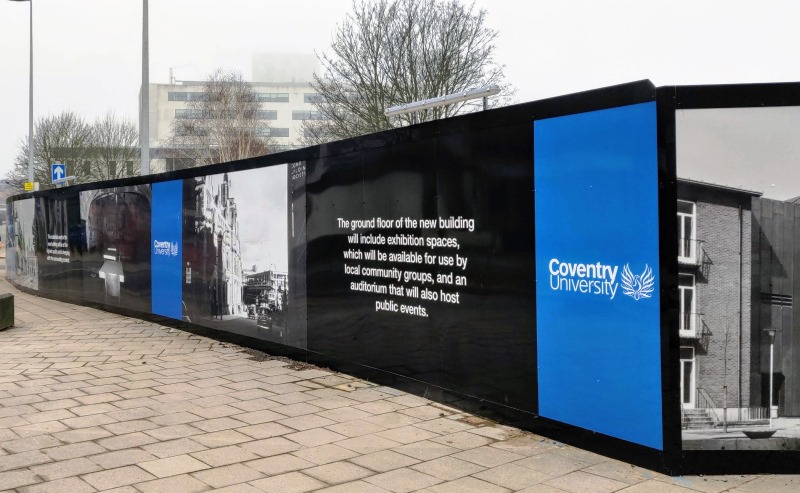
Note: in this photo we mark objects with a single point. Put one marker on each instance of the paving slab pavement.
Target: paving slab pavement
(93, 401)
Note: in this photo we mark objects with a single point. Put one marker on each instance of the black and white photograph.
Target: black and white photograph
(115, 248)
(739, 272)
(22, 265)
(235, 241)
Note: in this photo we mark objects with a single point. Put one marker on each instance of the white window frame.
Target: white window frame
(690, 331)
(692, 379)
(692, 257)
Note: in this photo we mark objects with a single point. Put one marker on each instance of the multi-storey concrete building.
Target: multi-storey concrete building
(283, 86)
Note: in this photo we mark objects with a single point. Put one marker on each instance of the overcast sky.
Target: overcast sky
(87, 53)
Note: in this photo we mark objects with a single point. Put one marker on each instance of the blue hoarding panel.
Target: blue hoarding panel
(597, 272)
(166, 249)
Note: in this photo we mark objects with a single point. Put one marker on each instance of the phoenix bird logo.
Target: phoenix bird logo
(637, 287)
(174, 249)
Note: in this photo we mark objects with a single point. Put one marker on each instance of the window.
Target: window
(312, 97)
(687, 243)
(272, 132)
(307, 115)
(687, 377)
(273, 97)
(187, 96)
(191, 114)
(687, 305)
(266, 115)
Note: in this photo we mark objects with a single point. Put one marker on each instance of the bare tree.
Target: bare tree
(224, 123)
(65, 138)
(390, 52)
(115, 149)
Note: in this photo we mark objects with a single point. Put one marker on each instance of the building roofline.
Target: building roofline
(716, 186)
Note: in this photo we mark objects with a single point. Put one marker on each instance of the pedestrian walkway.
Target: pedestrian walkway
(92, 401)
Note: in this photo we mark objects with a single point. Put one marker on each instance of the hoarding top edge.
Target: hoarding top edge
(594, 99)
(734, 95)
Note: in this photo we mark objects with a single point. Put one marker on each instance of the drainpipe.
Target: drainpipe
(739, 352)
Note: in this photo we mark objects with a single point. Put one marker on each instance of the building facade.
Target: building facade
(283, 86)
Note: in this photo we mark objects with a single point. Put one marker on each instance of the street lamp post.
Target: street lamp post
(144, 111)
(30, 96)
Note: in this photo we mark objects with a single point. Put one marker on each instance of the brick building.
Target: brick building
(739, 271)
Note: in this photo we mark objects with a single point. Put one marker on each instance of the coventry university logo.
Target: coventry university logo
(600, 279)
(637, 287)
(165, 248)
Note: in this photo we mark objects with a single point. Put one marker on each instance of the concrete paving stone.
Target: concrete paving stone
(655, 486)
(335, 406)
(384, 460)
(71, 451)
(306, 422)
(271, 446)
(279, 464)
(178, 418)
(466, 485)
(426, 450)
(56, 404)
(22, 459)
(265, 430)
(86, 410)
(620, 471)
(403, 480)
(255, 405)
(65, 469)
(223, 456)
(132, 426)
(173, 466)
(98, 398)
(493, 432)
(424, 412)
(513, 476)
(325, 454)
(488, 456)
(66, 485)
(48, 427)
(216, 411)
(338, 472)
(175, 484)
(219, 424)
(527, 444)
(706, 484)
(353, 487)
(250, 394)
(82, 435)
(579, 482)
(355, 428)
(28, 444)
(299, 409)
(114, 478)
(406, 434)
(133, 413)
(43, 416)
(448, 468)
(541, 488)
(291, 482)
(119, 458)
(89, 421)
(221, 438)
(368, 444)
(463, 440)
(552, 463)
(260, 416)
(774, 484)
(20, 410)
(219, 477)
(130, 440)
(173, 432)
(380, 407)
(443, 426)
(207, 401)
(392, 420)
